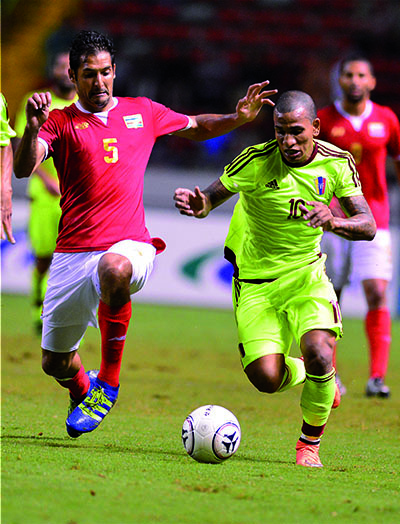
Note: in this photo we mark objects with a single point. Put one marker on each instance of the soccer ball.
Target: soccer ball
(211, 434)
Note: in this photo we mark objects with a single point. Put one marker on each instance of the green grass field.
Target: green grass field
(133, 469)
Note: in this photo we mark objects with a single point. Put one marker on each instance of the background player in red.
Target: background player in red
(370, 132)
(100, 146)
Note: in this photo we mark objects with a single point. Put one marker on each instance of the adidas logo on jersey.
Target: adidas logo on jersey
(273, 184)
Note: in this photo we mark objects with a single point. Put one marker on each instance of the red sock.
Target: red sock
(113, 323)
(78, 385)
(378, 328)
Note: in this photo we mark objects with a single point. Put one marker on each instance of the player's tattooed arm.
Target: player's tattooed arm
(359, 223)
(199, 203)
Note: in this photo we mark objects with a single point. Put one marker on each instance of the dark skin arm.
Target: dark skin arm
(358, 225)
(199, 203)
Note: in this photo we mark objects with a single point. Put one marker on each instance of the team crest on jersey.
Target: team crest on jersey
(320, 184)
(83, 125)
(338, 131)
(376, 129)
(133, 121)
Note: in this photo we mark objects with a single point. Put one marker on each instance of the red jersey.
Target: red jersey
(369, 138)
(101, 168)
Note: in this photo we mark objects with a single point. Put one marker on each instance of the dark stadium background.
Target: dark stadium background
(197, 56)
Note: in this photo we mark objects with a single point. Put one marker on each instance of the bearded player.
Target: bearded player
(101, 145)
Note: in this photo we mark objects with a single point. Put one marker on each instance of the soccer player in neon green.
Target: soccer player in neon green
(43, 189)
(6, 155)
(280, 288)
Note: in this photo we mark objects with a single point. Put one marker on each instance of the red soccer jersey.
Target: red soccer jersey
(369, 138)
(101, 169)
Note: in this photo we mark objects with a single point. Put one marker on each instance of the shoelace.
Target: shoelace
(97, 397)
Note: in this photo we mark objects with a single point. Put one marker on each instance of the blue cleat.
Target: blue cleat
(92, 374)
(94, 407)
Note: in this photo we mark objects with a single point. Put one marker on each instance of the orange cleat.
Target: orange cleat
(308, 455)
(338, 396)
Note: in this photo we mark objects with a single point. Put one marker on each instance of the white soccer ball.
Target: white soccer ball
(211, 434)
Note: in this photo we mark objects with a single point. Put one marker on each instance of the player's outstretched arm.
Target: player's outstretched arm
(30, 152)
(208, 126)
(199, 203)
(359, 224)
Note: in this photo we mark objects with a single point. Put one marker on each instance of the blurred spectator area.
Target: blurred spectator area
(202, 49)
(200, 56)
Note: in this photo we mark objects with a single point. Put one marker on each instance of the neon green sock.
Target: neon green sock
(295, 373)
(317, 398)
(39, 285)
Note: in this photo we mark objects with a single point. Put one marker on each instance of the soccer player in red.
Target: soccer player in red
(101, 146)
(370, 132)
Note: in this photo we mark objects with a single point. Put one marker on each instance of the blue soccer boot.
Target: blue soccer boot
(91, 411)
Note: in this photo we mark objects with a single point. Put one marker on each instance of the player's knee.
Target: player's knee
(55, 364)
(317, 348)
(266, 379)
(318, 359)
(114, 269)
(115, 273)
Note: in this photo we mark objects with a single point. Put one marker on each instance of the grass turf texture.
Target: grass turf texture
(133, 468)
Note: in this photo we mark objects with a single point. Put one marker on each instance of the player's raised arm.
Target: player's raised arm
(30, 152)
(208, 126)
(199, 203)
(358, 225)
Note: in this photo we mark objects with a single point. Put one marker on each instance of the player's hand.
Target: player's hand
(37, 109)
(248, 107)
(192, 203)
(319, 216)
(6, 212)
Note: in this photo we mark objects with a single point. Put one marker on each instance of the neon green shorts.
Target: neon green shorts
(43, 225)
(269, 315)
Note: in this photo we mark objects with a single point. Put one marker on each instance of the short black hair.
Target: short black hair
(88, 43)
(292, 100)
(355, 58)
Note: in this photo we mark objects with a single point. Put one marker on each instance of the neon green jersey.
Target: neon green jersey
(6, 131)
(268, 236)
(36, 187)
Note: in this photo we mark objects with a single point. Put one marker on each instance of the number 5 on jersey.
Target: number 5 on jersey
(112, 157)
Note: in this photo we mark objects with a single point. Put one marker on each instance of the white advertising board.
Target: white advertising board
(191, 270)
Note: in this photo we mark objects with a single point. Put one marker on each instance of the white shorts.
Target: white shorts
(358, 260)
(338, 261)
(73, 291)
